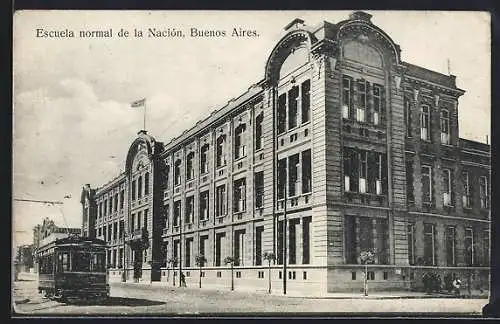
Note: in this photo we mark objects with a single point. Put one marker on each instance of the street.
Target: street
(146, 299)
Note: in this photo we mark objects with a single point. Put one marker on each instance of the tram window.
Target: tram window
(63, 264)
(98, 262)
(81, 261)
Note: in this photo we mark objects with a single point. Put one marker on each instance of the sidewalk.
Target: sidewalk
(475, 294)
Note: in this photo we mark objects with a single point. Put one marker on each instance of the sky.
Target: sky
(72, 121)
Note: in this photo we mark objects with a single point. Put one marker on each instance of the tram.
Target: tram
(73, 267)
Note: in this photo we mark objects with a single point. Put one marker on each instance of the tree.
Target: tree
(200, 262)
(367, 257)
(231, 260)
(269, 256)
(173, 262)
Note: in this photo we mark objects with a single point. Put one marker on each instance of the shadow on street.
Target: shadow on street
(117, 301)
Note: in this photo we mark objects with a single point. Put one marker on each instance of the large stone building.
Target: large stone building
(341, 148)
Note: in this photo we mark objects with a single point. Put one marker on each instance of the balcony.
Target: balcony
(294, 202)
(135, 234)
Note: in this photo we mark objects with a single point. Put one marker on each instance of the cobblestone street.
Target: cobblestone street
(145, 299)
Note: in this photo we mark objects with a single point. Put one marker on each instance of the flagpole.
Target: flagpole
(144, 115)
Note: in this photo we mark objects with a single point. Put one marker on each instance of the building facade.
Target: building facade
(342, 148)
(46, 232)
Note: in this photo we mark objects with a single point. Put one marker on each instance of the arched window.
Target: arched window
(204, 158)
(297, 58)
(177, 172)
(221, 151)
(239, 142)
(189, 166)
(445, 127)
(425, 129)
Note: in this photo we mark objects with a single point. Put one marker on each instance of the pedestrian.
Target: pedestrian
(183, 280)
(457, 283)
(438, 283)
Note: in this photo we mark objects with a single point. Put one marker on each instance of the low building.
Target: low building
(46, 232)
(342, 148)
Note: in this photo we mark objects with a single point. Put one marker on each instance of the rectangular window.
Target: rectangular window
(361, 106)
(450, 246)
(411, 243)
(429, 245)
(410, 196)
(220, 200)
(240, 195)
(363, 171)
(146, 219)
(371, 275)
(279, 243)
(445, 127)
(377, 104)
(204, 159)
(294, 177)
(122, 198)
(427, 184)
(239, 247)
(486, 247)
(115, 205)
(306, 171)
(306, 239)
(139, 188)
(483, 192)
(190, 166)
(447, 186)
(425, 126)
(386, 275)
(353, 275)
(259, 231)
(258, 131)
(282, 113)
(166, 215)
(105, 207)
(146, 183)
(188, 252)
(469, 246)
(306, 101)
(346, 97)
(167, 176)
(177, 172)
(239, 142)
(139, 219)
(259, 189)
(203, 245)
(133, 189)
(204, 205)
(122, 228)
(177, 213)
(466, 197)
(189, 215)
(219, 248)
(408, 117)
(293, 96)
(221, 151)
(282, 165)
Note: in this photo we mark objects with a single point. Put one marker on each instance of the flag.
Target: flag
(138, 103)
